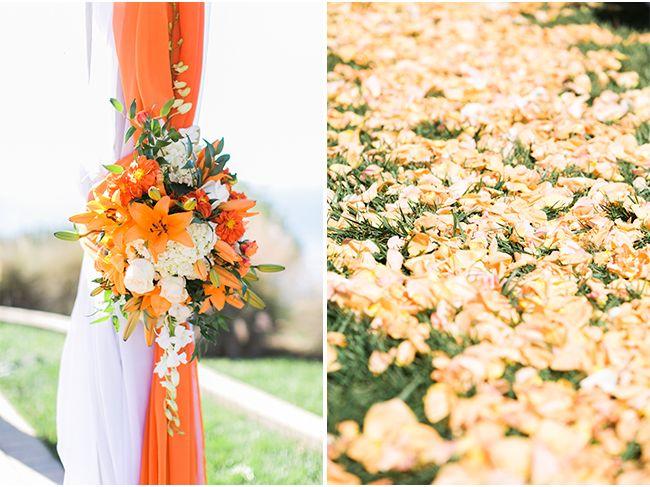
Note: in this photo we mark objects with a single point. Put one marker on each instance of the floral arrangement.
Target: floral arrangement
(488, 245)
(168, 230)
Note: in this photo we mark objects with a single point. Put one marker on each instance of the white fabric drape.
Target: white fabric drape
(104, 382)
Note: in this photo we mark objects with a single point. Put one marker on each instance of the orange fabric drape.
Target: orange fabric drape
(142, 40)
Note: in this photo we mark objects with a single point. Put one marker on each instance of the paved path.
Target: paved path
(24, 460)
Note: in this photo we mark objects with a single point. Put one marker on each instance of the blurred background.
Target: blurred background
(260, 92)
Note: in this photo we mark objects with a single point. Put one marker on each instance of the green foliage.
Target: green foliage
(333, 59)
(358, 109)
(520, 155)
(353, 389)
(573, 376)
(435, 130)
(424, 476)
(644, 240)
(580, 15)
(632, 451)
(643, 133)
(615, 211)
(602, 273)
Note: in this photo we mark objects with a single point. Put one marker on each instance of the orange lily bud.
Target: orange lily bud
(189, 204)
(154, 193)
(237, 205)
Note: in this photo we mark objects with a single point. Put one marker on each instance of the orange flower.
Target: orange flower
(156, 226)
(230, 226)
(103, 215)
(112, 266)
(214, 296)
(154, 304)
(138, 177)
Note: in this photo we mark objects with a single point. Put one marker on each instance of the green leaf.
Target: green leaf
(67, 235)
(214, 277)
(117, 105)
(209, 154)
(99, 320)
(114, 168)
(116, 323)
(221, 162)
(132, 109)
(129, 133)
(190, 146)
(269, 268)
(166, 108)
(253, 299)
(220, 146)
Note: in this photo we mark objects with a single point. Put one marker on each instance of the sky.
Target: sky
(264, 91)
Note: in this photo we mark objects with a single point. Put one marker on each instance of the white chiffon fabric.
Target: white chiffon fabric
(104, 381)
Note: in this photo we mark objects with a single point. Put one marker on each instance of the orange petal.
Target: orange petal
(158, 246)
(180, 220)
(83, 218)
(182, 237)
(205, 306)
(234, 301)
(226, 252)
(141, 213)
(237, 205)
(133, 233)
(162, 207)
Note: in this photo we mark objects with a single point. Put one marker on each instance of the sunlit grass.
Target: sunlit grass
(294, 380)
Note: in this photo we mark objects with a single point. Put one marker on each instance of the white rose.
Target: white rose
(139, 276)
(217, 192)
(172, 288)
(180, 312)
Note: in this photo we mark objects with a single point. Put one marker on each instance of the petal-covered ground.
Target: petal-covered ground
(488, 245)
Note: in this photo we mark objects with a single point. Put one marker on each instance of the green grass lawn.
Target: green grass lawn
(296, 381)
(239, 450)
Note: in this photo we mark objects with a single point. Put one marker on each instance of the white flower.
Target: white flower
(180, 312)
(182, 336)
(179, 260)
(137, 248)
(164, 340)
(217, 192)
(170, 360)
(172, 288)
(176, 154)
(138, 277)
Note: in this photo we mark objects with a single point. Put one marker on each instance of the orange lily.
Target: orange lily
(226, 252)
(156, 226)
(227, 278)
(103, 214)
(214, 296)
(112, 267)
(154, 304)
